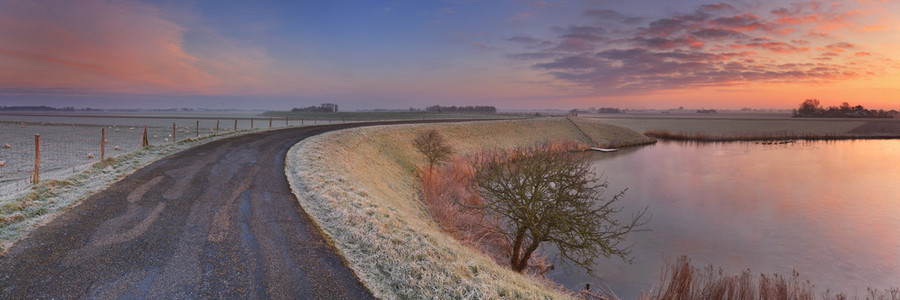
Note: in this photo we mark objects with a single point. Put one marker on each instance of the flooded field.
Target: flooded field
(828, 210)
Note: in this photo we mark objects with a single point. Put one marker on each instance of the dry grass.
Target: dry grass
(736, 126)
(448, 192)
(701, 136)
(781, 136)
(681, 280)
(606, 135)
(360, 187)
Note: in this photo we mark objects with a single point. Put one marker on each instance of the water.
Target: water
(829, 210)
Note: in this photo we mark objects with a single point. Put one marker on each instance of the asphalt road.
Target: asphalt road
(214, 221)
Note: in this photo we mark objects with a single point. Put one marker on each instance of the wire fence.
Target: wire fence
(67, 145)
(56, 151)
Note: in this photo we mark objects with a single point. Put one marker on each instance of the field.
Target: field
(736, 124)
(359, 186)
(388, 115)
(70, 142)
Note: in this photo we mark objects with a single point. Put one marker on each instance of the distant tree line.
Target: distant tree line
(462, 109)
(602, 110)
(324, 107)
(35, 108)
(811, 108)
(706, 111)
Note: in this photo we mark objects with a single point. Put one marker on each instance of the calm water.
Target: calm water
(830, 210)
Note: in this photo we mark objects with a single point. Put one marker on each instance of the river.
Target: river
(829, 210)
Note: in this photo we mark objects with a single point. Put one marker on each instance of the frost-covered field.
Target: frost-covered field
(70, 144)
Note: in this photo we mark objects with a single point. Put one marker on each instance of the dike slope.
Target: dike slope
(359, 187)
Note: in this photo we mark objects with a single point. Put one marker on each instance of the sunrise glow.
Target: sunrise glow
(512, 54)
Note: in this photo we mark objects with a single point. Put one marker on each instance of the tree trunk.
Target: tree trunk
(523, 261)
(517, 244)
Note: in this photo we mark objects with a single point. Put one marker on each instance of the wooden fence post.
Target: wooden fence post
(301, 121)
(235, 124)
(198, 128)
(173, 132)
(37, 158)
(270, 122)
(102, 143)
(251, 123)
(144, 140)
(286, 121)
(217, 126)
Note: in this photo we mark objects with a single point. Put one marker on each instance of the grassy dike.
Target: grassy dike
(359, 186)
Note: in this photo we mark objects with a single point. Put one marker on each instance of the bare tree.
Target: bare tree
(432, 144)
(547, 195)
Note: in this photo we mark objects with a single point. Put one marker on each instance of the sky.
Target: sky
(512, 54)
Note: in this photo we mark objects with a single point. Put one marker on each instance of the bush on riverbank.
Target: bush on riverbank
(359, 186)
(448, 191)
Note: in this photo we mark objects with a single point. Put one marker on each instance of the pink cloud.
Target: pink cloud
(521, 16)
(108, 46)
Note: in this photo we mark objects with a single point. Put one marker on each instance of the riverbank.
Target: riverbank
(763, 137)
(359, 186)
(753, 127)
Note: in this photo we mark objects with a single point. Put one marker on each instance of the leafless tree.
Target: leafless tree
(546, 195)
(432, 144)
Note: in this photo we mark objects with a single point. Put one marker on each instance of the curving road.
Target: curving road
(214, 221)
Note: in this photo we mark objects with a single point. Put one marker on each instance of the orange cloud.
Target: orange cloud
(107, 46)
(872, 28)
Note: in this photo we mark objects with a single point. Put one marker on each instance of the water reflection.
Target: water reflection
(830, 210)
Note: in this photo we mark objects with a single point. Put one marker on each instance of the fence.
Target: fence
(34, 151)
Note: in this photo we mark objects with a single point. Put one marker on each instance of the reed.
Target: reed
(681, 280)
(756, 137)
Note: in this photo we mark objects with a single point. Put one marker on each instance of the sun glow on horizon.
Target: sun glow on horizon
(541, 54)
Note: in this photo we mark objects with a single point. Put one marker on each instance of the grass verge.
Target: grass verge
(359, 186)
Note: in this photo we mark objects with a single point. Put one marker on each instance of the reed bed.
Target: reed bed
(680, 280)
(756, 137)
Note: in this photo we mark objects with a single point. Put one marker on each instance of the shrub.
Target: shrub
(432, 144)
(545, 194)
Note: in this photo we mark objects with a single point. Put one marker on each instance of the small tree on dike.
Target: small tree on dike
(546, 195)
(432, 144)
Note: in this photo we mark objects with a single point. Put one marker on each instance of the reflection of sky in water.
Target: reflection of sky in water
(830, 210)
